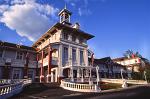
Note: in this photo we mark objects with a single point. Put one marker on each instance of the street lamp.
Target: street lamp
(124, 85)
(97, 73)
(122, 74)
(143, 65)
(145, 76)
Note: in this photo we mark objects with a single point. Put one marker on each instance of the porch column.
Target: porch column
(70, 55)
(52, 76)
(78, 57)
(71, 74)
(49, 63)
(78, 72)
(37, 70)
(82, 79)
(85, 57)
(60, 69)
(26, 66)
(42, 69)
(56, 73)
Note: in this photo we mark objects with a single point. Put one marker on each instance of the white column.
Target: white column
(56, 73)
(52, 76)
(85, 57)
(78, 56)
(82, 79)
(70, 55)
(71, 74)
(78, 72)
(97, 72)
(60, 70)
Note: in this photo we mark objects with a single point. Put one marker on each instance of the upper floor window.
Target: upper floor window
(81, 57)
(1, 53)
(65, 56)
(73, 55)
(19, 55)
(66, 36)
(73, 38)
(81, 40)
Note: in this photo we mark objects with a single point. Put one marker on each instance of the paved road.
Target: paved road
(53, 91)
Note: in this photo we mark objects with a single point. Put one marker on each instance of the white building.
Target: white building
(131, 63)
(63, 46)
(108, 68)
(14, 64)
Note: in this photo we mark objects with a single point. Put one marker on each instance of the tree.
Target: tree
(128, 53)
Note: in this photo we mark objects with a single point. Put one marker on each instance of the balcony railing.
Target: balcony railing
(12, 87)
(17, 62)
(68, 85)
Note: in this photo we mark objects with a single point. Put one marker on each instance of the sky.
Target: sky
(118, 25)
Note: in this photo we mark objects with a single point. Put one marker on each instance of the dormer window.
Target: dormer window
(65, 36)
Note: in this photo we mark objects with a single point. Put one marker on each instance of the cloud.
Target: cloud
(3, 8)
(28, 18)
(83, 8)
(84, 11)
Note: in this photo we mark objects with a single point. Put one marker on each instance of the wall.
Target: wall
(10, 54)
(54, 38)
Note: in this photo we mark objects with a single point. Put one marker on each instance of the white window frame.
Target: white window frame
(14, 72)
(74, 54)
(65, 36)
(31, 72)
(66, 54)
(19, 55)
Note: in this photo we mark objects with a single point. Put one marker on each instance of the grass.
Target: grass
(106, 86)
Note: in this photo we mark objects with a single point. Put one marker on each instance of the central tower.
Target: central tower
(64, 15)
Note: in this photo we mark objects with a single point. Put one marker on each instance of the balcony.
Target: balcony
(18, 63)
(45, 61)
(33, 64)
(55, 60)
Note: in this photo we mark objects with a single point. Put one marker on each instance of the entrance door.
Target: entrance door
(31, 74)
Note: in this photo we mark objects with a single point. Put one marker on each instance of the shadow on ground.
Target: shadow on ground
(53, 91)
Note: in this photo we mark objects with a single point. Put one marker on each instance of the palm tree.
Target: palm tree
(128, 53)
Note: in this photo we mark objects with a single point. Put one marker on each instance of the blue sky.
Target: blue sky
(118, 25)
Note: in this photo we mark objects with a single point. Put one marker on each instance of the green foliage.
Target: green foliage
(138, 76)
(148, 74)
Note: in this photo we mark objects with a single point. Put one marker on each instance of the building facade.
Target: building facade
(132, 64)
(63, 46)
(109, 69)
(17, 61)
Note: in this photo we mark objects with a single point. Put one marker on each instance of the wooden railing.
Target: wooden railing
(9, 88)
(79, 87)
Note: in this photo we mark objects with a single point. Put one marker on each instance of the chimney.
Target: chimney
(76, 26)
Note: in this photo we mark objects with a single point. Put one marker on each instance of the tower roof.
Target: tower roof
(64, 10)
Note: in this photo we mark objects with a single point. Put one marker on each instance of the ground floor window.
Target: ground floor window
(16, 74)
(31, 74)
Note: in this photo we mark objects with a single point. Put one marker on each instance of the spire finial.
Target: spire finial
(65, 6)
